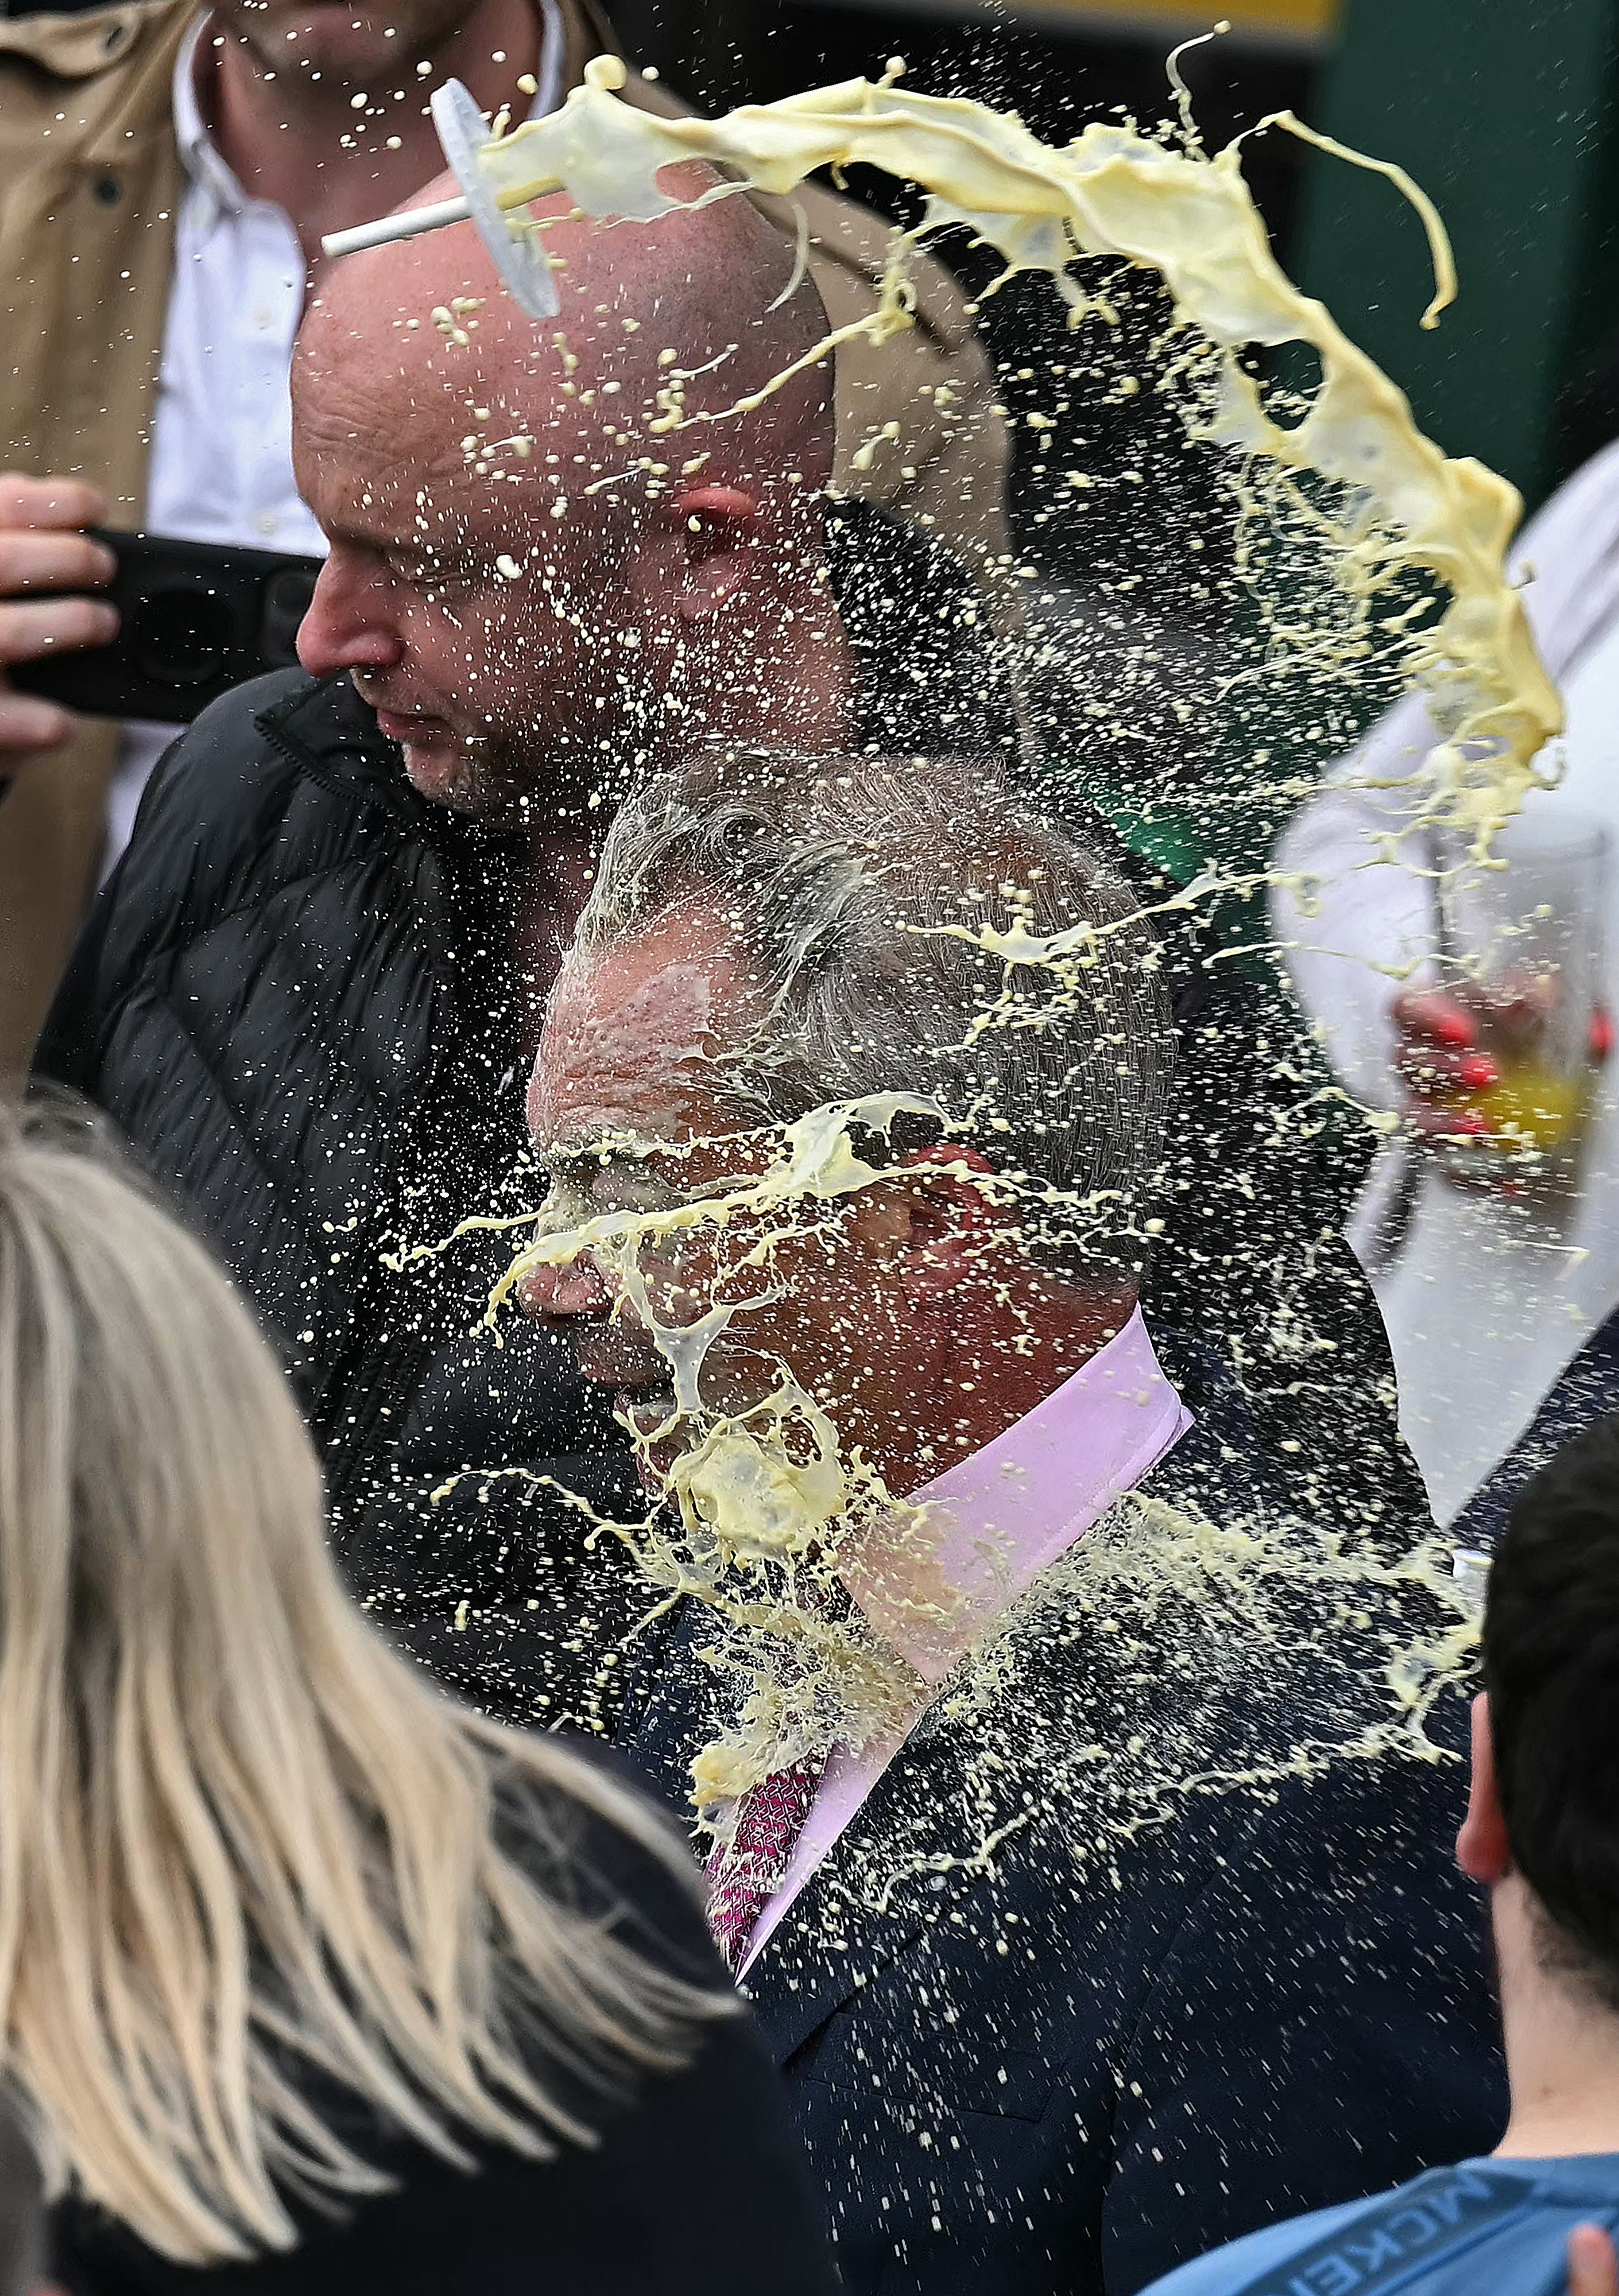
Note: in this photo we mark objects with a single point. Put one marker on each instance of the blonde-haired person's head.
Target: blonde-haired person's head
(241, 1840)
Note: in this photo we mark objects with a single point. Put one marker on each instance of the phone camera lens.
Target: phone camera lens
(182, 634)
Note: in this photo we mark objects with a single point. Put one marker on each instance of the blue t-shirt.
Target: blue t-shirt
(1485, 2228)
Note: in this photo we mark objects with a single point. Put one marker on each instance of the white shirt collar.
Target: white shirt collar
(198, 153)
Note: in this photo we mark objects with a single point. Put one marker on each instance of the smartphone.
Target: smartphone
(195, 618)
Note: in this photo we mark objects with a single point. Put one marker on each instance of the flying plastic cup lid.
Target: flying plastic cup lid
(1470, 1568)
(462, 131)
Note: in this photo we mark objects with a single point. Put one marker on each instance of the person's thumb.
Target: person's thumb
(1593, 2269)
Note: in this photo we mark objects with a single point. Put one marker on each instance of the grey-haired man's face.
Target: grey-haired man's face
(635, 1044)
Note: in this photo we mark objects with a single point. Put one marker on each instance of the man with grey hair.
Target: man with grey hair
(853, 1089)
(869, 950)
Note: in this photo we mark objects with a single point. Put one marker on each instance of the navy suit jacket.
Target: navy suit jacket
(1041, 2035)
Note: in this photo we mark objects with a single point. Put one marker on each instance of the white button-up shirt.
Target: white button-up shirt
(221, 463)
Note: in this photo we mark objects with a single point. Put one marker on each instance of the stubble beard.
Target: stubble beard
(474, 777)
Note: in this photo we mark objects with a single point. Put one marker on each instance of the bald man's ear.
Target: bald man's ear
(696, 557)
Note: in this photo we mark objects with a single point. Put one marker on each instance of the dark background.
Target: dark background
(1057, 75)
(1505, 111)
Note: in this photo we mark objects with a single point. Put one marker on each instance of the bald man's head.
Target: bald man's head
(542, 547)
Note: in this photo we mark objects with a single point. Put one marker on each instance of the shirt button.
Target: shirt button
(266, 521)
(261, 318)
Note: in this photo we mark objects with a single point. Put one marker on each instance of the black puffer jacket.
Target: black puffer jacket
(293, 1000)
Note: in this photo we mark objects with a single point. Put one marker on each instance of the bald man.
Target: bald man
(526, 564)
(311, 992)
(166, 174)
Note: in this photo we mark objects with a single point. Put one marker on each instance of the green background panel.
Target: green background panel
(1502, 112)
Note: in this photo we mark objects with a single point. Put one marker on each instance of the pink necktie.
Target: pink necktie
(748, 1872)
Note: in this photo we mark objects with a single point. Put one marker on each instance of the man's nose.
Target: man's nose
(558, 1294)
(347, 626)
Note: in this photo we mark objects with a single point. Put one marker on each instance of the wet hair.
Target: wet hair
(1551, 1667)
(847, 880)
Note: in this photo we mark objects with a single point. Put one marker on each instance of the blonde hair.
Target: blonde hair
(242, 1843)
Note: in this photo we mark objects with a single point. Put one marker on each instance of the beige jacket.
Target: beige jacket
(90, 186)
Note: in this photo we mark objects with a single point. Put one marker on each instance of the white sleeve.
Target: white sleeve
(1352, 907)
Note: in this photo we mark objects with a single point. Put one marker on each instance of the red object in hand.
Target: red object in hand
(1449, 1025)
(1477, 1072)
(1601, 1033)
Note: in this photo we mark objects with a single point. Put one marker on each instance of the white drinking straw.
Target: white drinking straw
(395, 226)
(462, 131)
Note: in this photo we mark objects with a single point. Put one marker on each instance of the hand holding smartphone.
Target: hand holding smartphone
(44, 552)
(194, 619)
(171, 627)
